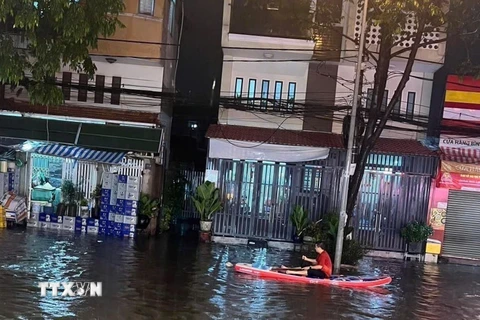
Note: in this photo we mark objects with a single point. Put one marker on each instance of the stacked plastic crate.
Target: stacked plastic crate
(127, 203)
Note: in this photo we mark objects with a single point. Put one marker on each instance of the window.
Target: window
(265, 88)
(99, 88)
(385, 101)
(292, 88)
(146, 7)
(171, 16)
(369, 98)
(83, 86)
(278, 92)
(66, 85)
(238, 88)
(396, 106)
(410, 105)
(252, 84)
(116, 85)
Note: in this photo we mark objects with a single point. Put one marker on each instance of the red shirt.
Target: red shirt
(323, 260)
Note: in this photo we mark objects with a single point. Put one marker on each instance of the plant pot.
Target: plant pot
(308, 239)
(415, 247)
(205, 237)
(143, 222)
(71, 210)
(84, 212)
(61, 209)
(206, 226)
(297, 238)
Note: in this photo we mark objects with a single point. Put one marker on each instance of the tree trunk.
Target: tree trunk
(377, 120)
(151, 229)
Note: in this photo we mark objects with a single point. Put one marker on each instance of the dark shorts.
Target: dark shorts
(316, 273)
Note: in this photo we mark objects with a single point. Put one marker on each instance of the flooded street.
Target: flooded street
(176, 278)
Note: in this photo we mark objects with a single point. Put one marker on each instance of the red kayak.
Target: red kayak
(340, 281)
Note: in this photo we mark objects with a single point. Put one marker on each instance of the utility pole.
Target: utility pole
(351, 137)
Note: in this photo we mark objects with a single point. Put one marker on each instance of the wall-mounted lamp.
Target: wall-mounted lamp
(111, 60)
(268, 55)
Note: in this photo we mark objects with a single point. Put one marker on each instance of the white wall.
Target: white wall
(286, 72)
(422, 89)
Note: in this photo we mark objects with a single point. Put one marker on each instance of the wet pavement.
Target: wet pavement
(177, 278)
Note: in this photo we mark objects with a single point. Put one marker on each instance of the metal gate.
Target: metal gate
(259, 197)
(462, 225)
(386, 202)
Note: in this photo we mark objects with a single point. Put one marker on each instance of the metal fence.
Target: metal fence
(194, 179)
(385, 204)
(259, 197)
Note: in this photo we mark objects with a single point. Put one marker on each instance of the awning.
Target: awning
(77, 153)
(232, 149)
(87, 135)
(460, 149)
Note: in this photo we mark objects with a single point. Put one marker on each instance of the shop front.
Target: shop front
(455, 201)
(455, 210)
(87, 178)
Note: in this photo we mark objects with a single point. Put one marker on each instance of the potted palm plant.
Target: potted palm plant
(69, 194)
(207, 203)
(148, 208)
(416, 234)
(299, 219)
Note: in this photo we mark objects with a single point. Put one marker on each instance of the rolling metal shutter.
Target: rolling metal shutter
(462, 226)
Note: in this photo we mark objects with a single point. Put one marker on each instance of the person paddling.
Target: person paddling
(321, 266)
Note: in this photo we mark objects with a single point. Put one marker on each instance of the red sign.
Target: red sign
(460, 181)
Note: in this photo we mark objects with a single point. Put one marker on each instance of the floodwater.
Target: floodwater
(177, 278)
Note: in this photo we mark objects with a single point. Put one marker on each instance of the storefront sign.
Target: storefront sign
(459, 181)
(71, 289)
(457, 167)
(459, 142)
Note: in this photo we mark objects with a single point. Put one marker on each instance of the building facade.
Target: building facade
(278, 143)
(455, 196)
(127, 106)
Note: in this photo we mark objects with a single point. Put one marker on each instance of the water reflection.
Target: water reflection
(177, 278)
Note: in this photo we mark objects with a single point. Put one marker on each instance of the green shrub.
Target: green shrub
(326, 231)
(416, 232)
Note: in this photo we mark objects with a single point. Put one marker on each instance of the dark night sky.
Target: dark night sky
(201, 52)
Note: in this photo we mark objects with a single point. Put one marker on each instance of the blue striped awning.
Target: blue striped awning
(79, 153)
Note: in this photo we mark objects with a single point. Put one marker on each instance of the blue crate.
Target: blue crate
(93, 222)
(105, 201)
(102, 230)
(118, 233)
(131, 212)
(54, 218)
(120, 203)
(42, 217)
(122, 178)
(82, 229)
(121, 209)
(104, 207)
(111, 216)
(106, 193)
(131, 204)
(110, 224)
(110, 231)
(103, 223)
(117, 226)
(103, 215)
(80, 221)
(128, 227)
